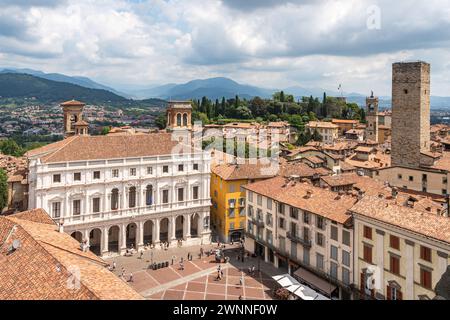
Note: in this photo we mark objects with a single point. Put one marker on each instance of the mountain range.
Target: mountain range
(15, 84)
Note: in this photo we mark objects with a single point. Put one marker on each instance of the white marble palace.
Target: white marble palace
(121, 191)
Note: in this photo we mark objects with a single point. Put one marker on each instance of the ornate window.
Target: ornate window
(132, 197)
(114, 199)
(149, 195)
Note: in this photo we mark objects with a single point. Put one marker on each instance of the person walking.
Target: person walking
(114, 265)
(241, 280)
(131, 278)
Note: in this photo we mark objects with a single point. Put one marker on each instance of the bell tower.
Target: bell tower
(73, 118)
(179, 115)
(372, 118)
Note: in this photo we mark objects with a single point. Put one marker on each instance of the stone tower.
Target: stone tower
(410, 112)
(179, 115)
(372, 118)
(73, 117)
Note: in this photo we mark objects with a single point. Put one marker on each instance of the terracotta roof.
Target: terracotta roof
(321, 124)
(81, 123)
(106, 147)
(322, 202)
(40, 269)
(72, 103)
(300, 169)
(279, 124)
(344, 121)
(364, 149)
(245, 171)
(314, 159)
(340, 180)
(426, 224)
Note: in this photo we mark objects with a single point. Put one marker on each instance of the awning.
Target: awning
(315, 281)
(285, 280)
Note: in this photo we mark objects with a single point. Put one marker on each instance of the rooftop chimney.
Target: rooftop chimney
(308, 194)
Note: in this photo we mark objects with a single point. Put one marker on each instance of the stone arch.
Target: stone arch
(131, 235)
(164, 229)
(178, 119)
(95, 241)
(185, 119)
(195, 220)
(113, 238)
(77, 235)
(114, 199)
(148, 231)
(179, 227)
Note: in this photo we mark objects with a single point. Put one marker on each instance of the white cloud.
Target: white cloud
(268, 43)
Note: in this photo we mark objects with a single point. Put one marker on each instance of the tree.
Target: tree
(10, 147)
(3, 189)
(105, 130)
(242, 112)
(161, 121)
(316, 136)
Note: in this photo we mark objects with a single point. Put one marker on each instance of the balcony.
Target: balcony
(241, 202)
(231, 204)
(297, 239)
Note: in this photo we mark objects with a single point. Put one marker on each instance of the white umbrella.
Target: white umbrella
(285, 280)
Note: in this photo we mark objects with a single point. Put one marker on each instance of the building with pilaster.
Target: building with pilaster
(123, 191)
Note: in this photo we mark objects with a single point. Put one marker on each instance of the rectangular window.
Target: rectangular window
(425, 253)
(319, 222)
(56, 178)
(367, 232)
(231, 213)
(76, 207)
(346, 276)
(165, 169)
(195, 192)
(165, 197)
(399, 176)
(180, 167)
(96, 205)
(333, 270)
(345, 258)
(334, 253)
(231, 225)
(306, 256)
(77, 176)
(319, 261)
(280, 208)
(96, 175)
(56, 209)
(294, 213)
(149, 170)
(334, 233)
(250, 196)
(367, 253)
(281, 223)
(306, 234)
(269, 204)
(269, 236)
(259, 200)
(319, 239)
(180, 194)
(394, 242)
(346, 237)
(306, 217)
(411, 178)
(195, 166)
(394, 263)
(133, 172)
(231, 188)
(425, 278)
(115, 173)
(250, 211)
(269, 219)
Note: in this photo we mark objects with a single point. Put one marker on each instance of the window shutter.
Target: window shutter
(388, 293)
(399, 295)
(362, 286)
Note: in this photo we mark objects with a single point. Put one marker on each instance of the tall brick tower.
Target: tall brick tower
(410, 112)
(372, 118)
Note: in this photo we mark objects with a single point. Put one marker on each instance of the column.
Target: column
(172, 227)
(187, 233)
(86, 204)
(105, 241)
(66, 211)
(105, 202)
(409, 264)
(123, 198)
(379, 283)
(86, 235)
(155, 231)
(140, 234)
(123, 238)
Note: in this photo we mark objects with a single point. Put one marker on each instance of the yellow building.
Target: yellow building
(401, 252)
(228, 197)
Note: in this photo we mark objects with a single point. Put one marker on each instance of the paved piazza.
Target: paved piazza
(198, 279)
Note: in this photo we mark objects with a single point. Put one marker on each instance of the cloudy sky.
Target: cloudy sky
(269, 43)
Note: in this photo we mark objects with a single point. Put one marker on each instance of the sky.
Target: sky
(267, 43)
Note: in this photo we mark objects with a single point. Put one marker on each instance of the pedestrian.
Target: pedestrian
(141, 254)
(114, 265)
(249, 270)
(201, 252)
(240, 297)
(131, 278)
(253, 269)
(218, 267)
(241, 280)
(221, 273)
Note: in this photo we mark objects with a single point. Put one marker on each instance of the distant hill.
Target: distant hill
(80, 81)
(213, 88)
(16, 85)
